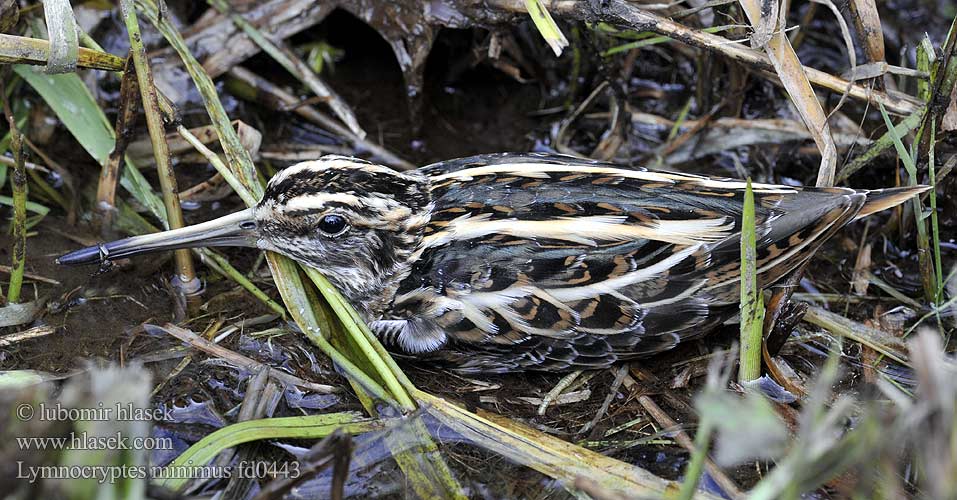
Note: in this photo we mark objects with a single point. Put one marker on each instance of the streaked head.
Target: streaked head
(349, 218)
(355, 221)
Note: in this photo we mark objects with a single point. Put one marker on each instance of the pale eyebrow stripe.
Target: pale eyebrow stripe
(319, 200)
(332, 161)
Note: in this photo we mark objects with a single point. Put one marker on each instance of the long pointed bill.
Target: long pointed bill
(233, 230)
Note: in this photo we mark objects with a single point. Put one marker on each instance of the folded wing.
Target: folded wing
(544, 262)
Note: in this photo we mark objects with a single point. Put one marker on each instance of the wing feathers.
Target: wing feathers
(550, 263)
(882, 199)
(585, 230)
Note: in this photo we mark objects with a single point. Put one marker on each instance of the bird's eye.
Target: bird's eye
(332, 224)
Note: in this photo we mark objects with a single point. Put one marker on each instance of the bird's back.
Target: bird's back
(552, 262)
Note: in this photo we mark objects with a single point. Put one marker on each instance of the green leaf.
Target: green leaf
(546, 26)
(13, 380)
(308, 427)
(74, 105)
(31, 206)
(904, 127)
(644, 39)
(895, 135)
(752, 306)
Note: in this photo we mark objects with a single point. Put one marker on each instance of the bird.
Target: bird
(510, 262)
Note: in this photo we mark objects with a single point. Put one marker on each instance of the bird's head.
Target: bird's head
(355, 221)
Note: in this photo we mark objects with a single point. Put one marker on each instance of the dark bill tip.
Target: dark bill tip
(88, 255)
(238, 229)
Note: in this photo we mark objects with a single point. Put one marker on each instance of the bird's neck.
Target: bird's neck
(370, 296)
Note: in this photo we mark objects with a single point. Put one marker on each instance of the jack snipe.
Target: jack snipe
(509, 262)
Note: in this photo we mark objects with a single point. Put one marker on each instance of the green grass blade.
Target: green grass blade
(898, 143)
(423, 464)
(31, 206)
(236, 154)
(546, 26)
(923, 240)
(295, 66)
(752, 307)
(221, 265)
(646, 41)
(925, 63)
(904, 127)
(353, 327)
(680, 120)
(693, 473)
(545, 453)
(925, 52)
(19, 251)
(934, 224)
(73, 104)
(301, 309)
(307, 427)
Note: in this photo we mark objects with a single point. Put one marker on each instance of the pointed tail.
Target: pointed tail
(882, 199)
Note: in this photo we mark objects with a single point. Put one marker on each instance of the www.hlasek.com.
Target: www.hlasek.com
(113, 473)
(91, 441)
(85, 441)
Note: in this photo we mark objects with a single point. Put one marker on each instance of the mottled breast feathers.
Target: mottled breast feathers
(550, 262)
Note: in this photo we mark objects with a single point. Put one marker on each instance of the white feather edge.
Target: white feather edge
(587, 230)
